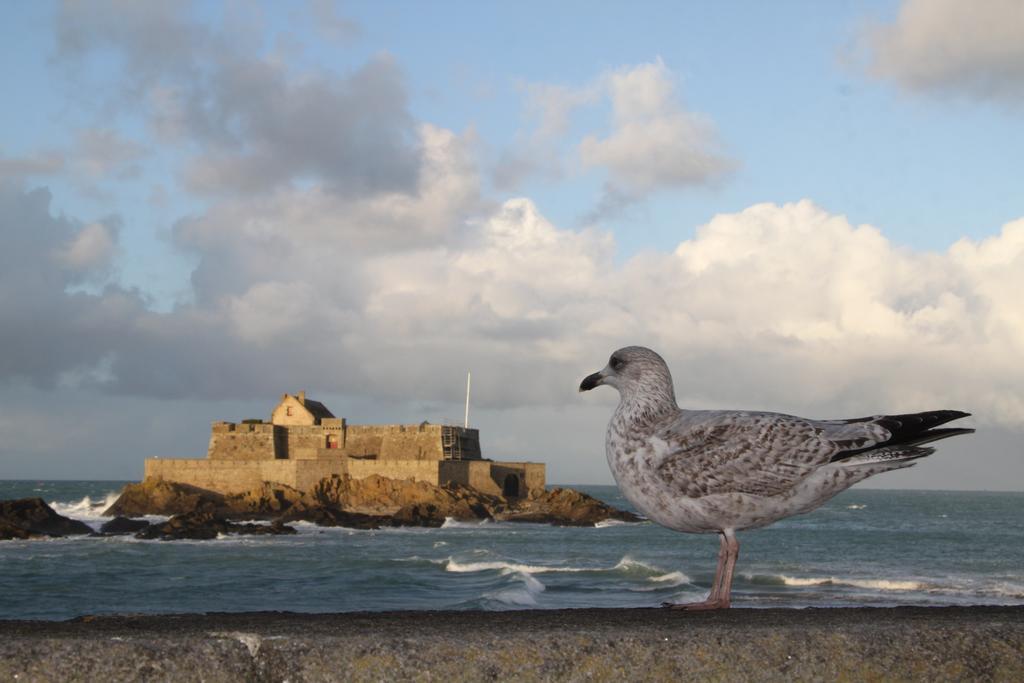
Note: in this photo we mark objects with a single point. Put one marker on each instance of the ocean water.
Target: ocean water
(865, 547)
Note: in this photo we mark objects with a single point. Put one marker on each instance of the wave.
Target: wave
(1004, 589)
(452, 523)
(856, 507)
(627, 565)
(523, 595)
(670, 579)
(611, 522)
(86, 508)
(454, 565)
(870, 584)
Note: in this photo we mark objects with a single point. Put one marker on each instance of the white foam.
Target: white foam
(663, 581)
(86, 509)
(452, 523)
(856, 507)
(524, 595)
(626, 565)
(873, 584)
(610, 522)
(454, 565)
(671, 579)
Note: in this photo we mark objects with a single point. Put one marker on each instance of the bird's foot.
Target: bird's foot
(697, 606)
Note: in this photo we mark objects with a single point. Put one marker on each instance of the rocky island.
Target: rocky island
(305, 464)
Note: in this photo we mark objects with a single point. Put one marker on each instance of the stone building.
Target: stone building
(304, 442)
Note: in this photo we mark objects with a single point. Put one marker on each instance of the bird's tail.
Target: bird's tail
(907, 434)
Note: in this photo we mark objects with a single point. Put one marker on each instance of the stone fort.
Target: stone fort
(304, 442)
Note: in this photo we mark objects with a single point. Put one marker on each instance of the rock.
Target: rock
(9, 532)
(567, 507)
(365, 503)
(379, 495)
(34, 516)
(123, 525)
(327, 516)
(159, 497)
(433, 515)
(204, 526)
(419, 514)
(266, 499)
(275, 528)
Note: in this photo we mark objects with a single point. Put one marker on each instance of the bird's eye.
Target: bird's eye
(617, 362)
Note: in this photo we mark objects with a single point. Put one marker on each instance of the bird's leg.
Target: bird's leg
(732, 548)
(728, 551)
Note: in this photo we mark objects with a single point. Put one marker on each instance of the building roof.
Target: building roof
(318, 409)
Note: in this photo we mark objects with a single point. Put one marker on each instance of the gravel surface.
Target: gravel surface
(938, 643)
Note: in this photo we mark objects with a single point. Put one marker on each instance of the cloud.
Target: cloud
(314, 233)
(655, 143)
(944, 46)
(347, 249)
(90, 250)
(15, 169)
(331, 24)
(248, 122)
(101, 153)
(786, 307)
(49, 331)
(539, 149)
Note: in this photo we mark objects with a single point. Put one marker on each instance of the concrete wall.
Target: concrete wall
(229, 441)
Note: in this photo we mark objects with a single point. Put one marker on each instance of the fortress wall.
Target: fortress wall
(470, 439)
(530, 474)
(394, 442)
(360, 440)
(412, 443)
(475, 473)
(417, 470)
(306, 442)
(534, 475)
(229, 441)
(308, 473)
(225, 476)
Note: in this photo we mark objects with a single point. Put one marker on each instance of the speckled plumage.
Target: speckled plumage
(721, 471)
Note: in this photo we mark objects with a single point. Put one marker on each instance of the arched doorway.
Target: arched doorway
(510, 489)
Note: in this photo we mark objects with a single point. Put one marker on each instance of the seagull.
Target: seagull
(723, 471)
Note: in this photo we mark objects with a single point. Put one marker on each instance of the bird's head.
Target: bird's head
(633, 370)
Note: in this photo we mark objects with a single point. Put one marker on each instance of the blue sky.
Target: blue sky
(535, 171)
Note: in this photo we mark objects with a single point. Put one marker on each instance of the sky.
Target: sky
(811, 208)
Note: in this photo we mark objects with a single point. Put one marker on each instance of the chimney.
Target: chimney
(302, 397)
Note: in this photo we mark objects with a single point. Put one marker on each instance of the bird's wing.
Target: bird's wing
(762, 454)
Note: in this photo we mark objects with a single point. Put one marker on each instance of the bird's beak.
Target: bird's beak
(591, 381)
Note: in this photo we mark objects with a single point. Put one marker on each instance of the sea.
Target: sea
(864, 547)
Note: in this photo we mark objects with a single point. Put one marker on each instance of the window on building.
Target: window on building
(288, 411)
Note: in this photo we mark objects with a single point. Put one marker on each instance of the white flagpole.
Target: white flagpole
(469, 376)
